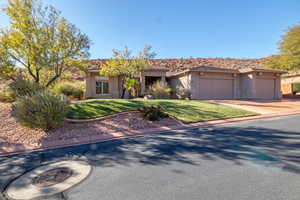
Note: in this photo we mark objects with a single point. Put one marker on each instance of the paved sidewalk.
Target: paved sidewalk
(264, 106)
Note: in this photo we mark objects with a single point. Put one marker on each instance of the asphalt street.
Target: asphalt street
(242, 161)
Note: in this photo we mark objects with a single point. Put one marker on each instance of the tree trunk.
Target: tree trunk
(52, 80)
(130, 95)
(123, 89)
(123, 93)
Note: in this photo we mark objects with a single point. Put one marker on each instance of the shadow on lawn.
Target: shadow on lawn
(94, 108)
(182, 111)
(191, 113)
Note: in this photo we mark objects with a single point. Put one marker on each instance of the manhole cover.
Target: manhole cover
(52, 177)
(48, 180)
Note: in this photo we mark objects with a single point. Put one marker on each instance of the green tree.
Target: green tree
(40, 41)
(7, 69)
(289, 47)
(126, 66)
(132, 85)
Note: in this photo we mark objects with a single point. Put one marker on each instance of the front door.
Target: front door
(150, 80)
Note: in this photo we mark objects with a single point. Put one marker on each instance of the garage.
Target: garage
(265, 88)
(216, 89)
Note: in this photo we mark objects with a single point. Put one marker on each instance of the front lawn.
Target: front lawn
(185, 110)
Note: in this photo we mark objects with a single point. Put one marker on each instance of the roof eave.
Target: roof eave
(156, 69)
(216, 70)
(292, 75)
(263, 70)
(231, 71)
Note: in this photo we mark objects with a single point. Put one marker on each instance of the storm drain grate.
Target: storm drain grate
(52, 177)
(48, 180)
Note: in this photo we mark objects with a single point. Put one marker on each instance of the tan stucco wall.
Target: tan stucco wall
(286, 84)
(91, 87)
(181, 81)
(247, 87)
(287, 88)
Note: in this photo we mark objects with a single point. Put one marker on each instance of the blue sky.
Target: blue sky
(181, 28)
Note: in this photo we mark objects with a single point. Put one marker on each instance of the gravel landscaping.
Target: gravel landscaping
(13, 133)
(15, 137)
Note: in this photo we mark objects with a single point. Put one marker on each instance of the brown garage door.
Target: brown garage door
(216, 89)
(265, 88)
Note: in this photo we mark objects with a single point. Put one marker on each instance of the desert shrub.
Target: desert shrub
(6, 95)
(183, 93)
(44, 110)
(21, 87)
(160, 90)
(69, 89)
(77, 93)
(296, 88)
(152, 113)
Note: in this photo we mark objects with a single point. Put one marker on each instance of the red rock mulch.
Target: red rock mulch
(12, 132)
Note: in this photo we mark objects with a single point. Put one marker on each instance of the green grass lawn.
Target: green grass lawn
(185, 110)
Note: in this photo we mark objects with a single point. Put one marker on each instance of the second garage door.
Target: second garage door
(265, 88)
(216, 89)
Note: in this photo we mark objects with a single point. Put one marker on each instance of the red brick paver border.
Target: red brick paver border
(10, 149)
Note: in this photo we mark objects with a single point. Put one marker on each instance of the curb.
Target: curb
(140, 133)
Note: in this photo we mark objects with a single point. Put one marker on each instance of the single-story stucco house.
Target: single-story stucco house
(207, 78)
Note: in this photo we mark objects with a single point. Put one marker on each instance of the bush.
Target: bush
(296, 88)
(152, 113)
(69, 89)
(6, 95)
(183, 93)
(160, 90)
(133, 86)
(44, 110)
(21, 87)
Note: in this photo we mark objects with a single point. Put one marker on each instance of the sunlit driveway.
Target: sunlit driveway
(250, 160)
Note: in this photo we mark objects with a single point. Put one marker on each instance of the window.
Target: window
(102, 87)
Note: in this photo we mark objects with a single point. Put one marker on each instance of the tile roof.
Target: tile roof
(293, 74)
(182, 64)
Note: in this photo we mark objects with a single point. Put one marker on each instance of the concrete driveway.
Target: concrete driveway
(264, 106)
(242, 161)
